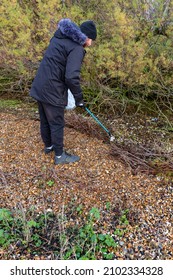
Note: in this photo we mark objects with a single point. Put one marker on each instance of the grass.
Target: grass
(10, 103)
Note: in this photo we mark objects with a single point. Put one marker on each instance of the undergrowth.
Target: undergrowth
(69, 234)
(10, 103)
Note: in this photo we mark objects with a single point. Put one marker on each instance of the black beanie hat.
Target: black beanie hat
(89, 29)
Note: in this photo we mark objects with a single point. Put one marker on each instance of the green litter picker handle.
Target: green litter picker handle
(97, 120)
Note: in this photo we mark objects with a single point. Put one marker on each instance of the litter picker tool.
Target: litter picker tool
(111, 137)
(71, 105)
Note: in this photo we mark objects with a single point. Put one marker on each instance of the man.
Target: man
(59, 71)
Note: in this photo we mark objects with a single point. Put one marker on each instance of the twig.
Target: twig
(3, 179)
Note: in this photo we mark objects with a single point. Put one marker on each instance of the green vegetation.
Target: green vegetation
(10, 103)
(81, 237)
(129, 65)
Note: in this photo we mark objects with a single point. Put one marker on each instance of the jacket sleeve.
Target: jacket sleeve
(72, 75)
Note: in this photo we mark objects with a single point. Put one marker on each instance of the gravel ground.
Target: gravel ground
(97, 179)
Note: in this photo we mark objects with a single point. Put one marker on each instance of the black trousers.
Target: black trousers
(52, 126)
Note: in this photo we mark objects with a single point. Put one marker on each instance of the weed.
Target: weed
(69, 234)
(50, 183)
(123, 218)
(7, 231)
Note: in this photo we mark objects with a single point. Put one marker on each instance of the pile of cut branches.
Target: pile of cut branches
(85, 125)
(142, 159)
(139, 158)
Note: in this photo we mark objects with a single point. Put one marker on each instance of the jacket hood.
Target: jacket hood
(72, 31)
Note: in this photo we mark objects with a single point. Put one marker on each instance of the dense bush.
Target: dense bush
(132, 57)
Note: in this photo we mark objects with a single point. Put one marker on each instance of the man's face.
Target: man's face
(88, 42)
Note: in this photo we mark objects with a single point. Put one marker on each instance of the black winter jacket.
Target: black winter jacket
(60, 67)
